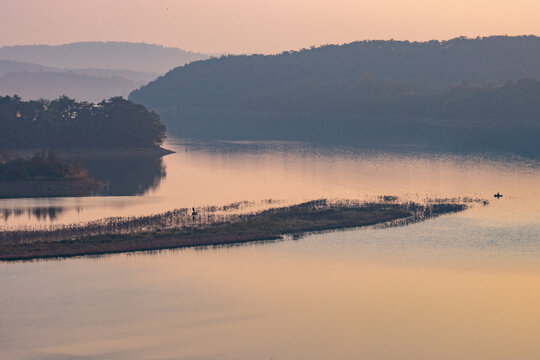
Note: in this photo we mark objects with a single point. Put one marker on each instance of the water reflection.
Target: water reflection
(122, 176)
(219, 173)
(39, 214)
(7, 213)
(449, 285)
(50, 213)
(126, 176)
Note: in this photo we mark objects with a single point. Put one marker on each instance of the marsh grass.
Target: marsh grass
(214, 225)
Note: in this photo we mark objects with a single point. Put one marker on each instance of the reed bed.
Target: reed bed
(207, 216)
(174, 219)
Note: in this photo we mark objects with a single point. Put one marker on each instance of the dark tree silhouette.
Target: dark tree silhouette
(65, 123)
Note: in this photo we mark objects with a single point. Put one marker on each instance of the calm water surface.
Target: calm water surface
(464, 286)
(222, 173)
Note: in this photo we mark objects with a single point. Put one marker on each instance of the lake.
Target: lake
(219, 173)
(462, 286)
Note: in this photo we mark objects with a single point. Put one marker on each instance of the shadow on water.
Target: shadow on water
(126, 176)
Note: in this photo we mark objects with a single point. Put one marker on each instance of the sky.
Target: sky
(259, 26)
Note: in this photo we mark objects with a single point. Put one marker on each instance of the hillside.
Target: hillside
(103, 55)
(371, 92)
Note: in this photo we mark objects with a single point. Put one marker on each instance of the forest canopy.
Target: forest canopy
(66, 123)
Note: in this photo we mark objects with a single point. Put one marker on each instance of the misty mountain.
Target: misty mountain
(103, 55)
(463, 92)
(33, 81)
(51, 85)
(11, 66)
(138, 77)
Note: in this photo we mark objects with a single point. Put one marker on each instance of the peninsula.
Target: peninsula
(180, 228)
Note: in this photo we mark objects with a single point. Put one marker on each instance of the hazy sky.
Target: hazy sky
(237, 26)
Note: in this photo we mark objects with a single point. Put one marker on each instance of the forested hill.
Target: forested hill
(365, 91)
(64, 123)
(220, 81)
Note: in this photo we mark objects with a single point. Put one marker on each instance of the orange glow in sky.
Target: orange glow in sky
(247, 26)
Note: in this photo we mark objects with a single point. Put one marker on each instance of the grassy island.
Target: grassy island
(183, 228)
(44, 175)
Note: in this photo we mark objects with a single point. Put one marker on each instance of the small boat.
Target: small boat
(497, 195)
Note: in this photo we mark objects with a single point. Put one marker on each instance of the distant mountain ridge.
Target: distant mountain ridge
(34, 81)
(90, 71)
(12, 66)
(51, 85)
(105, 55)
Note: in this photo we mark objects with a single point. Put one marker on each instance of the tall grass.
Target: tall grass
(272, 217)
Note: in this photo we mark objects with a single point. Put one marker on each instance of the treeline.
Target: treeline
(41, 166)
(66, 123)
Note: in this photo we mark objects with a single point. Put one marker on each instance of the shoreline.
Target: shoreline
(97, 153)
(270, 224)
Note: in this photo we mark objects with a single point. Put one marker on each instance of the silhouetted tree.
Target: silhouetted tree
(66, 123)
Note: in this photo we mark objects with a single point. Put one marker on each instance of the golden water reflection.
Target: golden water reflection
(415, 292)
